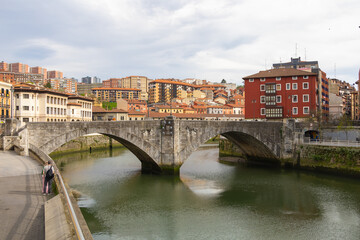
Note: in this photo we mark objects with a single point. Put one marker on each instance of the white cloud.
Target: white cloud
(206, 38)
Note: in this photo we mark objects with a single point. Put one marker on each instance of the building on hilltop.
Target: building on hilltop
(18, 68)
(91, 80)
(281, 93)
(54, 74)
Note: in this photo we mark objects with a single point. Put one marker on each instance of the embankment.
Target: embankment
(336, 160)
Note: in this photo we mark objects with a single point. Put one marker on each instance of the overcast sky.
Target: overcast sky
(205, 39)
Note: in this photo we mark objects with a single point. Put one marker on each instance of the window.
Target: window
(262, 79)
(294, 86)
(274, 113)
(262, 111)
(278, 87)
(270, 100)
(294, 78)
(305, 77)
(25, 119)
(306, 110)
(306, 98)
(270, 88)
(288, 86)
(262, 99)
(26, 96)
(294, 98)
(251, 80)
(26, 108)
(17, 95)
(262, 87)
(305, 85)
(295, 110)
(278, 99)
(278, 78)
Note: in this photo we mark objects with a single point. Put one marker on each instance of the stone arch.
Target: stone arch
(256, 146)
(138, 146)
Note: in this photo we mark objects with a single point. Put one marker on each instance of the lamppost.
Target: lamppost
(253, 102)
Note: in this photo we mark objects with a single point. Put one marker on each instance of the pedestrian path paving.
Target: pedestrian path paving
(21, 201)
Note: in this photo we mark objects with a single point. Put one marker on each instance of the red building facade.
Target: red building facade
(281, 93)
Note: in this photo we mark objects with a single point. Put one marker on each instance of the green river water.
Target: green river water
(210, 200)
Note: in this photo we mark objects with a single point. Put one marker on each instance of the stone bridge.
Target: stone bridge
(162, 146)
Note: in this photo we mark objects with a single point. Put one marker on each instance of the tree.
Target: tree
(47, 85)
(223, 81)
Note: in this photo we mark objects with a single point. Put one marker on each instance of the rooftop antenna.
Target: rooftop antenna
(295, 49)
(305, 54)
(335, 69)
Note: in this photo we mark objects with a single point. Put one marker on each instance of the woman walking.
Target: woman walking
(49, 175)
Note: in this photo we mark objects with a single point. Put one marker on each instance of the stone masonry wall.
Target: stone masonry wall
(84, 143)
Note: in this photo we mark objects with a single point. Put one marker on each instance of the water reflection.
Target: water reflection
(210, 200)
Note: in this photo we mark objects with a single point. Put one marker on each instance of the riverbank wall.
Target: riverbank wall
(87, 143)
(344, 161)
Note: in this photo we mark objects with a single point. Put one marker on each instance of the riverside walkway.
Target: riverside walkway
(21, 201)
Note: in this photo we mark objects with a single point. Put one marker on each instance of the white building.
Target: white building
(35, 104)
(79, 108)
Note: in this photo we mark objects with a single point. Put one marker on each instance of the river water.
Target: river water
(210, 200)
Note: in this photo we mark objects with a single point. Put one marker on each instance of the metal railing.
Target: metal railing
(340, 143)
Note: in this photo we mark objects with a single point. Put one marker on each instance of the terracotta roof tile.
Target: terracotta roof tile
(281, 72)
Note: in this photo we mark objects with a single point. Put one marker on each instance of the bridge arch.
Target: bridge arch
(258, 145)
(59, 133)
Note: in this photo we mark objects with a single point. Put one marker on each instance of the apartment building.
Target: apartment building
(3, 66)
(35, 104)
(68, 85)
(18, 68)
(112, 83)
(6, 77)
(28, 77)
(137, 82)
(86, 89)
(163, 90)
(112, 94)
(322, 82)
(5, 101)
(79, 108)
(54, 74)
(281, 93)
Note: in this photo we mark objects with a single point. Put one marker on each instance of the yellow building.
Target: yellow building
(5, 101)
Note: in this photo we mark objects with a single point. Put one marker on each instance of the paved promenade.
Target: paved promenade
(21, 201)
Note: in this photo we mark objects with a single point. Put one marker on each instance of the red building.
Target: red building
(281, 93)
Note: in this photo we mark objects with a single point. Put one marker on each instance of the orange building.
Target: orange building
(54, 74)
(112, 83)
(39, 70)
(3, 66)
(6, 77)
(18, 68)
